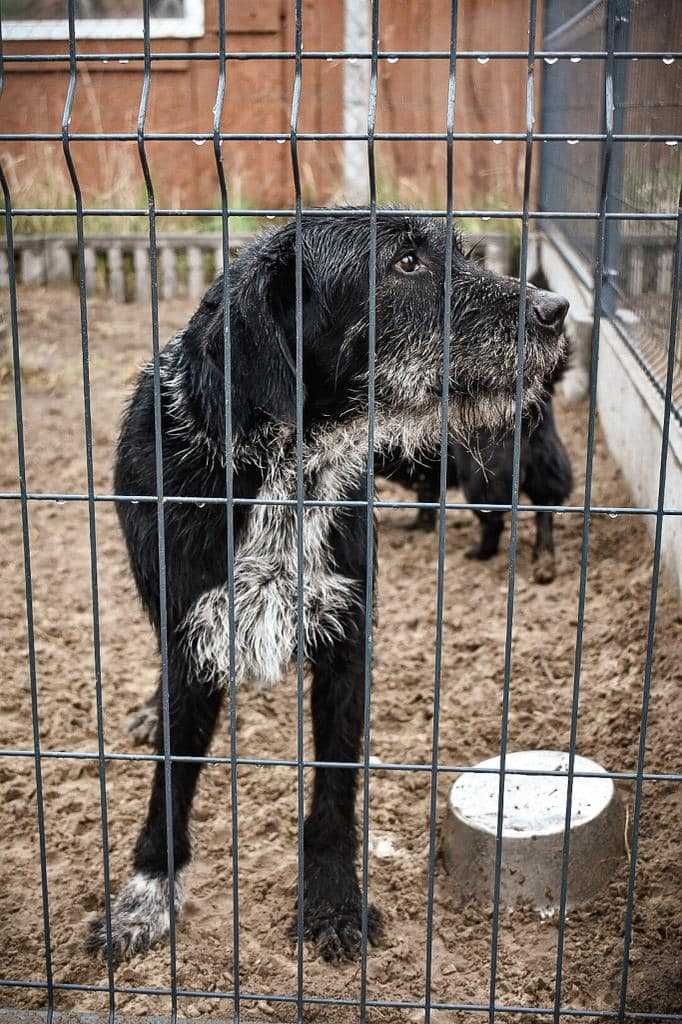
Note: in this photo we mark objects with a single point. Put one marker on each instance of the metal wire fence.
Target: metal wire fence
(591, 219)
(638, 257)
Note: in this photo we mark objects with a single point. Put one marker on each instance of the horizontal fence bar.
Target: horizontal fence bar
(281, 137)
(330, 55)
(613, 511)
(390, 1004)
(376, 766)
(272, 212)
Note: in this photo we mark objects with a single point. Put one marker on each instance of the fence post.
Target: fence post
(355, 90)
(33, 265)
(140, 268)
(218, 259)
(168, 275)
(58, 259)
(90, 256)
(116, 278)
(498, 253)
(612, 248)
(195, 272)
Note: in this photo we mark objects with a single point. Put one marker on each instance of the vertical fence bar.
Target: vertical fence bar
(229, 495)
(300, 495)
(651, 628)
(585, 547)
(92, 522)
(369, 513)
(28, 584)
(160, 503)
(511, 584)
(442, 498)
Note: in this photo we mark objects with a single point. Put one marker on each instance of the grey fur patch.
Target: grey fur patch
(140, 916)
(266, 567)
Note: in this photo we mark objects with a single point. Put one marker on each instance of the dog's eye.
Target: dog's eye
(409, 263)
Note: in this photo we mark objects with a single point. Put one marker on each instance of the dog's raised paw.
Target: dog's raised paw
(140, 917)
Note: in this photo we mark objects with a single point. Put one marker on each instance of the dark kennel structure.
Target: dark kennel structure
(596, 223)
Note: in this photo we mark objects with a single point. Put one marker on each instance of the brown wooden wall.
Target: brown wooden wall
(412, 97)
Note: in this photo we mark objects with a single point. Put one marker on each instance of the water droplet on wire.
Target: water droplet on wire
(576, 60)
(572, 142)
(551, 60)
(199, 142)
(393, 60)
(668, 60)
(483, 60)
(671, 142)
(280, 142)
(497, 142)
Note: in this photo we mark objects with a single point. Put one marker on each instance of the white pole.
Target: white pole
(356, 37)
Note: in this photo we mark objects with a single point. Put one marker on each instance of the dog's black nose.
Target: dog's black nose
(550, 309)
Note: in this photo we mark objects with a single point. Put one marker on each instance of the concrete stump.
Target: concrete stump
(533, 832)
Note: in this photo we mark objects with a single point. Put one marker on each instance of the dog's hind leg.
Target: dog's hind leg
(140, 914)
(332, 910)
(548, 482)
(492, 525)
(543, 553)
(427, 490)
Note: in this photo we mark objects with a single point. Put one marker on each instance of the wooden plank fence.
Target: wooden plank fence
(118, 265)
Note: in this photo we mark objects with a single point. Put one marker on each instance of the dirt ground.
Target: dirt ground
(544, 638)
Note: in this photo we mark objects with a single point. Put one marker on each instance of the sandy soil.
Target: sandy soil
(613, 658)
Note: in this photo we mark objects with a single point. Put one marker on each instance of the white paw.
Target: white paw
(140, 917)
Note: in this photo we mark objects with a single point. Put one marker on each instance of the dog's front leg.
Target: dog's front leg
(332, 898)
(140, 913)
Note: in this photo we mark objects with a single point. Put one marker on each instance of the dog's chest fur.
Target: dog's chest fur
(266, 570)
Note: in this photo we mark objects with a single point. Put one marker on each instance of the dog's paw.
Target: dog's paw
(478, 553)
(423, 522)
(336, 927)
(140, 917)
(141, 725)
(544, 570)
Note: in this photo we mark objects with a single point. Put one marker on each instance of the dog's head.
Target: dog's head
(409, 321)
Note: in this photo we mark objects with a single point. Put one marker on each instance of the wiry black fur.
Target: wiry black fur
(409, 318)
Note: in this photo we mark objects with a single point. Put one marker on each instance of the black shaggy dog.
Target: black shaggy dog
(483, 468)
(409, 346)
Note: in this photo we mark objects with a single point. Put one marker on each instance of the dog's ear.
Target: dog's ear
(266, 307)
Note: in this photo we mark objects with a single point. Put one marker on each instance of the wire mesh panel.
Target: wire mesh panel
(645, 176)
(606, 157)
